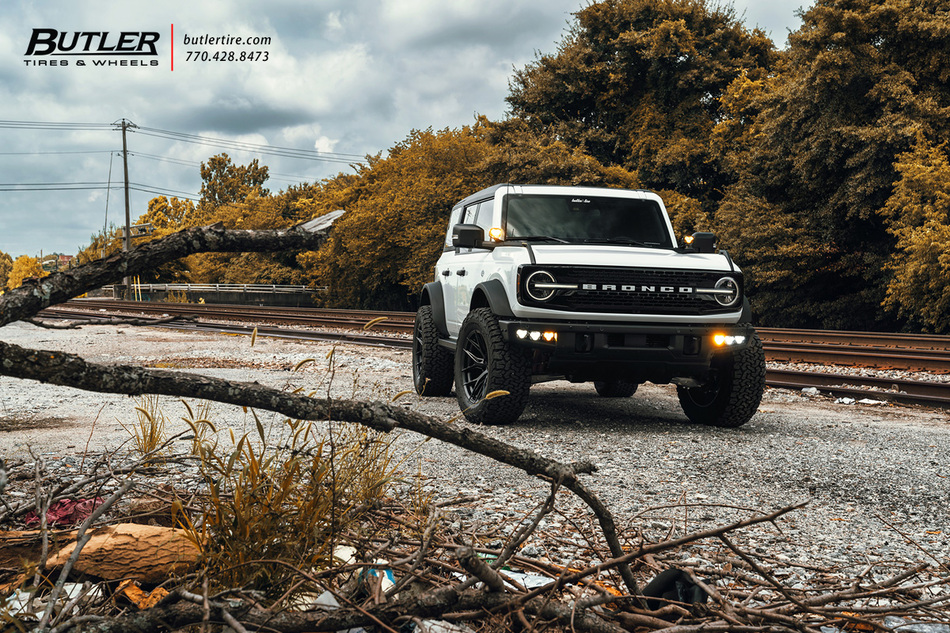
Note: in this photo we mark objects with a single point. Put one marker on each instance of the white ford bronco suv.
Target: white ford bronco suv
(541, 283)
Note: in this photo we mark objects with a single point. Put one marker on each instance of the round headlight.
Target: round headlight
(535, 283)
(727, 298)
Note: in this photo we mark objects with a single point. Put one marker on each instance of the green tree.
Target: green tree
(918, 215)
(6, 265)
(226, 183)
(24, 267)
(859, 81)
(637, 83)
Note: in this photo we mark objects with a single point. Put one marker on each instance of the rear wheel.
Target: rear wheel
(734, 390)
(615, 388)
(431, 364)
(485, 363)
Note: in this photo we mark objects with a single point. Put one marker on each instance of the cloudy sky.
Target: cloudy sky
(333, 79)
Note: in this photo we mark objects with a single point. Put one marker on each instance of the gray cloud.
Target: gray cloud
(352, 76)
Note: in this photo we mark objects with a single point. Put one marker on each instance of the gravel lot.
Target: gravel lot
(877, 477)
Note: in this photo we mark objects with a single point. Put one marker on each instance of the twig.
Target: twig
(525, 531)
(914, 543)
(479, 568)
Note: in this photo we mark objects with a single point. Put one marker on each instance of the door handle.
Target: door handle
(446, 273)
(460, 272)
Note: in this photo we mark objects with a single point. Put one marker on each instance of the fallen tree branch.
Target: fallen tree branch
(75, 324)
(36, 294)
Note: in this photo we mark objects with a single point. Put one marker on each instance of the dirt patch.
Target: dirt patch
(11, 424)
(186, 362)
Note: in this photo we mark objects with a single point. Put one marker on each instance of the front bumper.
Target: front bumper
(636, 352)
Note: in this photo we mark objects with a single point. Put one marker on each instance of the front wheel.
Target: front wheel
(485, 363)
(734, 390)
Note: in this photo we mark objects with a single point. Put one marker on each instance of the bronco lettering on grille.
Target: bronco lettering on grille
(688, 290)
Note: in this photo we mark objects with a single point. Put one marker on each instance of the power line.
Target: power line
(51, 125)
(88, 151)
(53, 187)
(192, 163)
(164, 191)
(286, 152)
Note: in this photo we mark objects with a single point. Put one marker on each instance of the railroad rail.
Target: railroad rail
(922, 353)
(307, 317)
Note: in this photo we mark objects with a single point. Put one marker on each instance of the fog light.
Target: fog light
(521, 333)
(550, 336)
(535, 336)
(740, 340)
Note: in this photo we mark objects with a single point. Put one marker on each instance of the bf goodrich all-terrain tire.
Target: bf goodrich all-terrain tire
(615, 388)
(484, 363)
(432, 367)
(734, 391)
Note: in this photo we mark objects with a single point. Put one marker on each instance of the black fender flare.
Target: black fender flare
(746, 311)
(432, 296)
(495, 297)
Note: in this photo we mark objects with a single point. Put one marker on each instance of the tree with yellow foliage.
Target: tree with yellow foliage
(6, 264)
(24, 267)
(918, 214)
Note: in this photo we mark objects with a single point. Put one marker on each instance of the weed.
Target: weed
(272, 508)
(148, 431)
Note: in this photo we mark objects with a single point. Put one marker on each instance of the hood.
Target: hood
(628, 256)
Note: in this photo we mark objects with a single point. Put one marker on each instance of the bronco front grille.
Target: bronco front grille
(625, 290)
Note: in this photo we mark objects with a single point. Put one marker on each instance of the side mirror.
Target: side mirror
(468, 236)
(701, 242)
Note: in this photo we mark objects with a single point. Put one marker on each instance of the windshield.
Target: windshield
(586, 219)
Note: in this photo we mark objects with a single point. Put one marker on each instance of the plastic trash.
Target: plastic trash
(528, 581)
(810, 391)
(65, 512)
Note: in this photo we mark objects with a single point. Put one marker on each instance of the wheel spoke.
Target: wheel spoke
(475, 366)
(475, 385)
(477, 355)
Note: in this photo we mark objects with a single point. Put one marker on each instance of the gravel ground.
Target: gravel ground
(876, 477)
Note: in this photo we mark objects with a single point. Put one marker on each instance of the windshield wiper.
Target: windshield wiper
(622, 240)
(538, 238)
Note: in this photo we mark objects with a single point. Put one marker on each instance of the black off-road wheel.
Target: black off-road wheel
(432, 367)
(485, 363)
(734, 391)
(615, 388)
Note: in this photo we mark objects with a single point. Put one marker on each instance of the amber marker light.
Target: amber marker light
(496, 234)
(550, 336)
(719, 339)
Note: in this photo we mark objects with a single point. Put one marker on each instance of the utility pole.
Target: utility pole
(127, 242)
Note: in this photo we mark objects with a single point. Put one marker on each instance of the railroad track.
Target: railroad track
(924, 353)
(308, 317)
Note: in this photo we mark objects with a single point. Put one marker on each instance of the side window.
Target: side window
(454, 218)
(482, 215)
